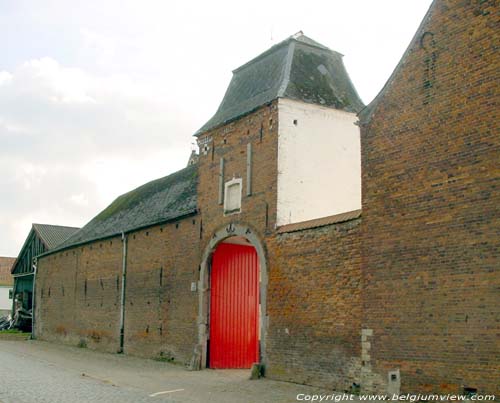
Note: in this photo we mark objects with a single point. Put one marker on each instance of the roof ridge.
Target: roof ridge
(286, 71)
(53, 235)
(296, 68)
(159, 200)
(270, 50)
(290, 39)
(55, 225)
(172, 174)
(306, 40)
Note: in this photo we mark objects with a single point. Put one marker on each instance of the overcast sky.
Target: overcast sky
(100, 96)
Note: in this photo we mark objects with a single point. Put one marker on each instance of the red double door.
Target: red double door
(234, 307)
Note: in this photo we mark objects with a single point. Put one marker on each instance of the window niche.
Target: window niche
(232, 196)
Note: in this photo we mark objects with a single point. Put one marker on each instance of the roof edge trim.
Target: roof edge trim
(25, 243)
(320, 222)
(286, 72)
(241, 115)
(115, 234)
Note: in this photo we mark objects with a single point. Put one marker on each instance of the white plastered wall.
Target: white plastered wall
(319, 162)
(5, 302)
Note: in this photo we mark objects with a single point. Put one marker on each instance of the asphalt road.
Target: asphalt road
(40, 372)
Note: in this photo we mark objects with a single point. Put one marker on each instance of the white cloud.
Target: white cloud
(79, 199)
(97, 97)
(5, 77)
(72, 142)
(65, 84)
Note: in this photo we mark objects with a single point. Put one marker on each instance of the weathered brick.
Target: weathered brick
(431, 224)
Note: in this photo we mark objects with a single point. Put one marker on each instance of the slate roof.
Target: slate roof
(53, 235)
(298, 68)
(155, 202)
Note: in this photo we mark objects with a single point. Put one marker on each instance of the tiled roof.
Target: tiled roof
(297, 68)
(53, 235)
(158, 201)
(320, 222)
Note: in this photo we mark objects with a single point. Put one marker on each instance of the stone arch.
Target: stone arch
(231, 230)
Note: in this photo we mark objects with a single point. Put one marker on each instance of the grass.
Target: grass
(12, 331)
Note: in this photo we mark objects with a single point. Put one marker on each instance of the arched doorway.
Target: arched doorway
(234, 305)
(232, 320)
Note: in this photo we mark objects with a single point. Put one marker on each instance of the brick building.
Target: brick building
(41, 238)
(430, 242)
(6, 283)
(258, 251)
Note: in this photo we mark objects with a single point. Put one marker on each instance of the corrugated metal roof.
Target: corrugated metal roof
(320, 222)
(158, 201)
(297, 68)
(53, 235)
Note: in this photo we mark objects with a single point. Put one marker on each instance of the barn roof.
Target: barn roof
(158, 201)
(298, 68)
(53, 235)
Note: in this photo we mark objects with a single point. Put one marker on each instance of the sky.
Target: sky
(98, 97)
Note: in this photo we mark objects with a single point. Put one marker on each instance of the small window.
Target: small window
(232, 196)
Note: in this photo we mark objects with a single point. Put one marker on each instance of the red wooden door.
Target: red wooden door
(234, 307)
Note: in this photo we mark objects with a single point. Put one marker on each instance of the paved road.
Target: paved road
(39, 372)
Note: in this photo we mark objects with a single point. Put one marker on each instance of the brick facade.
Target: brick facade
(230, 142)
(161, 309)
(412, 286)
(314, 305)
(431, 209)
(79, 290)
(6, 264)
(77, 295)
(313, 296)
(162, 262)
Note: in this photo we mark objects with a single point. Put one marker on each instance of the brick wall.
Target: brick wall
(314, 304)
(313, 300)
(258, 211)
(230, 142)
(6, 264)
(428, 240)
(161, 309)
(431, 243)
(78, 293)
(313, 289)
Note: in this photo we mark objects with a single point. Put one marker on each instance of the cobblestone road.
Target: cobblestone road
(39, 372)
